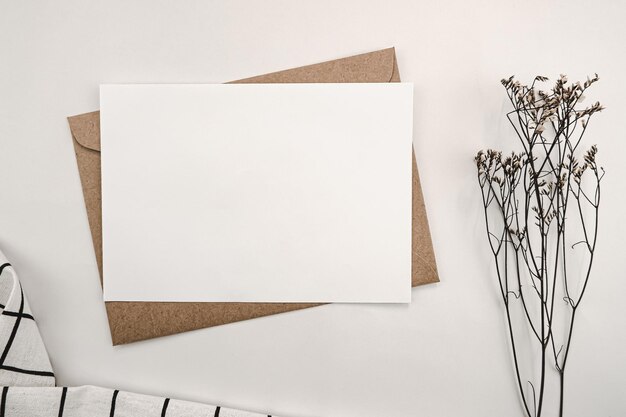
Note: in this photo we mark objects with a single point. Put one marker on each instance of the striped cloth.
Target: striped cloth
(28, 383)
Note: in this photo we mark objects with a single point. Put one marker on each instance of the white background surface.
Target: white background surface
(257, 193)
(445, 354)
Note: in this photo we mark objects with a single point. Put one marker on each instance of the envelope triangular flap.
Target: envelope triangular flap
(86, 130)
(374, 67)
(379, 66)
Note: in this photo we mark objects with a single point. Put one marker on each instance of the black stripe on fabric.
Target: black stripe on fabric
(62, 405)
(4, 265)
(2, 306)
(26, 371)
(3, 402)
(14, 314)
(165, 404)
(112, 413)
(14, 331)
(217, 412)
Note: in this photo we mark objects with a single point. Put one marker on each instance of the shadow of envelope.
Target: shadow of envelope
(133, 321)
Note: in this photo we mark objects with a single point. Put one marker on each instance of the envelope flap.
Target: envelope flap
(372, 67)
(86, 130)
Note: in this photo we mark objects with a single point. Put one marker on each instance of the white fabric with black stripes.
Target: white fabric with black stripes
(28, 383)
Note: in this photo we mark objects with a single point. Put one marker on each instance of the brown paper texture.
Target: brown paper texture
(133, 321)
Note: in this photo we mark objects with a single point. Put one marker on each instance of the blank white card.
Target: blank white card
(257, 193)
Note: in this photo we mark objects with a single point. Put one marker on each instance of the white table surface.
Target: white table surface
(444, 355)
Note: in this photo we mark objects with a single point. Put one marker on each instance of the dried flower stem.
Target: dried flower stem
(527, 198)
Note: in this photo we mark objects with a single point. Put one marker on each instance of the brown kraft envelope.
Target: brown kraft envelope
(133, 321)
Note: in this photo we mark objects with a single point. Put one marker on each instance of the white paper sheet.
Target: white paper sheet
(257, 193)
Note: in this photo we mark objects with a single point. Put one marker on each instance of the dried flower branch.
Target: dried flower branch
(533, 201)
